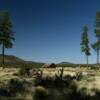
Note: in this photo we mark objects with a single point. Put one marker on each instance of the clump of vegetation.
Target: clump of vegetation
(65, 89)
(25, 70)
(15, 86)
(57, 81)
(53, 65)
(17, 89)
(60, 73)
(4, 91)
(41, 93)
(78, 76)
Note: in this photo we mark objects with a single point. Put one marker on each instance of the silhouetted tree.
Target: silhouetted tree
(96, 45)
(85, 43)
(6, 34)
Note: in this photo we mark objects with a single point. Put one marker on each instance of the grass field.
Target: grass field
(90, 78)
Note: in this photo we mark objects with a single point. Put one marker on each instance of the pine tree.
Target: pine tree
(85, 43)
(96, 45)
(6, 34)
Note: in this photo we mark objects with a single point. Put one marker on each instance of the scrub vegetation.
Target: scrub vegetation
(23, 80)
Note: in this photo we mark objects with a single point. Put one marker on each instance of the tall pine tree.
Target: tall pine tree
(96, 45)
(85, 43)
(6, 36)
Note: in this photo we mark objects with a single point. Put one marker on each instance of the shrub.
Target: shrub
(15, 86)
(53, 65)
(24, 71)
(59, 75)
(3, 92)
(79, 76)
(40, 93)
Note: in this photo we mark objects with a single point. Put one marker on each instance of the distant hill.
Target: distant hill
(11, 59)
(14, 59)
(64, 63)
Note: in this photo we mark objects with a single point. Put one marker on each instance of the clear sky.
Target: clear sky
(50, 30)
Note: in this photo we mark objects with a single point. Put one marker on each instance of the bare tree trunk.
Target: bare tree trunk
(3, 52)
(98, 56)
(87, 60)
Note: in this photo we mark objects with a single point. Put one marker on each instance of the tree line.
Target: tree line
(85, 43)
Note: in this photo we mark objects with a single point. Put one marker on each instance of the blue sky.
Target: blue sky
(50, 30)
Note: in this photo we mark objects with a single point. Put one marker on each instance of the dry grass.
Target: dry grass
(91, 78)
(7, 73)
